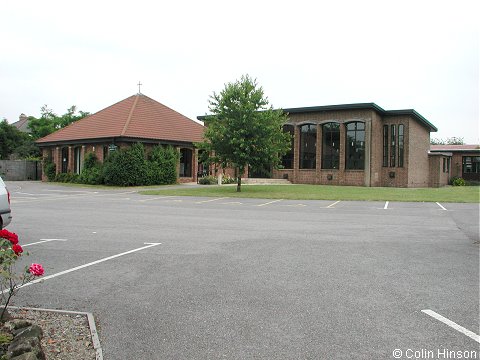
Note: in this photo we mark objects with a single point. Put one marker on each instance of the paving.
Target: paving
(220, 278)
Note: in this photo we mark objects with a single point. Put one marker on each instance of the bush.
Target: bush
(49, 169)
(207, 180)
(67, 177)
(92, 173)
(458, 181)
(162, 165)
(228, 180)
(126, 167)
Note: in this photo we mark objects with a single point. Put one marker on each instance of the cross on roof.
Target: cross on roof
(139, 84)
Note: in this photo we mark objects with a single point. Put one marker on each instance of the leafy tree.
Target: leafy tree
(449, 141)
(13, 141)
(50, 122)
(243, 130)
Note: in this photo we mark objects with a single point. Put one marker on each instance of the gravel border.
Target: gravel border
(68, 335)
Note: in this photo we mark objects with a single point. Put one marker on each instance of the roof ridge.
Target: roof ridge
(125, 127)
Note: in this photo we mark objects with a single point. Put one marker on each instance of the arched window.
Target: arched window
(185, 162)
(330, 145)
(308, 146)
(355, 146)
(287, 159)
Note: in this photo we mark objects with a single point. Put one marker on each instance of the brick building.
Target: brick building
(137, 118)
(464, 160)
(359, 144)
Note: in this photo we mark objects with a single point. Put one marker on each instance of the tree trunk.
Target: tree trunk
(239, 180)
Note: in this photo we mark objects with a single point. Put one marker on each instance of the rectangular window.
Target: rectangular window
(308, 146)
(385, 145)
(330, 146)
(444, 164)
(400, 144)
(355, 146)
(393, 146)
(471, 164)
(287, 159)
(448, 164)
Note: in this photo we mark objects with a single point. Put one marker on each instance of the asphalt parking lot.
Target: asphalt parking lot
(219, 278)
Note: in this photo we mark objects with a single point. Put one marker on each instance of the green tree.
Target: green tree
(448, 141)
(48, 122)
(13, 141)
(243, 130)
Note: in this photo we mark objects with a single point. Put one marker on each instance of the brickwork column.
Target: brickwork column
(318, 154)
(343, 150)
(57, 159)
(70, 159)
(296, 153)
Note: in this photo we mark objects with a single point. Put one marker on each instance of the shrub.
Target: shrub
(92, 170)
(162, 165)
(207, 180)
(67, 177)
(126, 167)
(458, 181)
(49, 169)
(228, 180)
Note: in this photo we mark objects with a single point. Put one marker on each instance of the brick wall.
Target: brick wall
(418, 147)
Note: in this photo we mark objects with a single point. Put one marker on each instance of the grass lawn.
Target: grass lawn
(460, 194)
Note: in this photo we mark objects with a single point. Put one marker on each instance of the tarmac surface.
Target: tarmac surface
(218, 278)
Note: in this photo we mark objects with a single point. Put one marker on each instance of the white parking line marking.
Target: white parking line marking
(232, 203)
(452, 324)
(270, 202)
(157, 198)
(332, 205)
(44, 241)
(441, 206)
(206, 201)
(149, 245)
(295, 205)
(386, 205)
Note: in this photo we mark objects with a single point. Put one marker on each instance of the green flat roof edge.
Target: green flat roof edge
(357, 106)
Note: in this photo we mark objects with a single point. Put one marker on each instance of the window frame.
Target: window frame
(352, 149)
(312, 155)
(330, 151)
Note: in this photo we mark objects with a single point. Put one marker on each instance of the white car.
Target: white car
(5, 212)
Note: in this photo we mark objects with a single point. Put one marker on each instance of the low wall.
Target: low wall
(18, 170)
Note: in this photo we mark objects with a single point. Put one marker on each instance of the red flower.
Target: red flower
(36, 270)
(12, 237)
(17, 249)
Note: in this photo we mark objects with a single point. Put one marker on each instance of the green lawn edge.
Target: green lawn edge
(458, 194)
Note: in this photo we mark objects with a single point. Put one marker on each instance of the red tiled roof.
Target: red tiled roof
(454, 147)
(138, 117)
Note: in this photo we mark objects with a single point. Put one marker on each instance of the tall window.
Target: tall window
(393, 152)
(287, 159)
(385, 145)
(64, 159)
(400, 144)
(185, 162)
(77, 160)
(308, 145)
(355, 149)
(331, 145)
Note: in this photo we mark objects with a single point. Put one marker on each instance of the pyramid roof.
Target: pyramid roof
(137, 117)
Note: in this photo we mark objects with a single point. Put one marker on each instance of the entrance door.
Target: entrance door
(64, 159)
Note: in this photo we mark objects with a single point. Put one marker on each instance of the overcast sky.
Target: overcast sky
(421, 55)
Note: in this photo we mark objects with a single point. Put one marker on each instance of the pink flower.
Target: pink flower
(36, 269)
(17, 249)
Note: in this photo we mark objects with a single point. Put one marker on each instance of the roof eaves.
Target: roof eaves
(414, 114)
